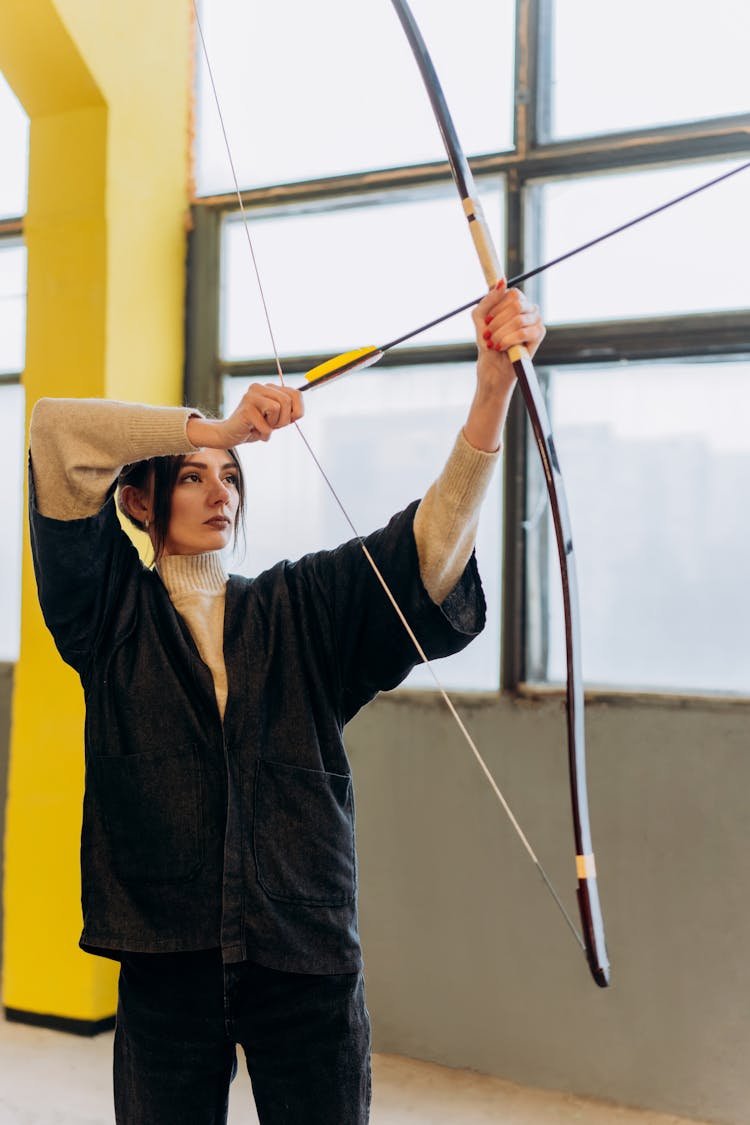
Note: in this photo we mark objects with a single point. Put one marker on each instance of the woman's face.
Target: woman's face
(204, 504)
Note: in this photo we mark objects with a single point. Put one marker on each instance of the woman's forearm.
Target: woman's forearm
(445, 523)
(78, 447)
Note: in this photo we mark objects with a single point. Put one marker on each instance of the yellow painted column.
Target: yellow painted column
(107, 88)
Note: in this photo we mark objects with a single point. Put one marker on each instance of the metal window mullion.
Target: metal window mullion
(687, 142)
(687, 336)
(532, 78)
(264, 367)
(11, 229)
(521, 624)
(202, 381)
(513, 615)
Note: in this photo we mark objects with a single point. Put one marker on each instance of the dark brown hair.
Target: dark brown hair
(157, 478)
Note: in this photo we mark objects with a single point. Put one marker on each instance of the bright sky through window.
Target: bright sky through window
(310, 90)
(656, 462)
(647, 63)
(14, 145)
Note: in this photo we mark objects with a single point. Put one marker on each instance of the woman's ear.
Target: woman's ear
(136, 505)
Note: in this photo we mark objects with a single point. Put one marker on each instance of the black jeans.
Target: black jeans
(180, 1015)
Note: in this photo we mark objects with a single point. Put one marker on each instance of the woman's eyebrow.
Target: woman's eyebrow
(203, 465)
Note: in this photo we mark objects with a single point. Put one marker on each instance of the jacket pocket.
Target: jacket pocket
(303, 835)
(152, 809)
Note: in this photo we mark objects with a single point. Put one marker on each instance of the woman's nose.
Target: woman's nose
(220, 492)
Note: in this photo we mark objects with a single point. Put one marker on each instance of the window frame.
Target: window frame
(11, 230)
(533, 159)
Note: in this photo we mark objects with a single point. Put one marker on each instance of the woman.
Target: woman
(217, 850)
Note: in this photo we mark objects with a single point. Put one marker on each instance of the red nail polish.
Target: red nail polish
(488, 319)
(490, 345)
(486, 335)
(501, 283)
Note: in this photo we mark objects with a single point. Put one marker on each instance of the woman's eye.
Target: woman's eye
(190, 477)
(231, 478)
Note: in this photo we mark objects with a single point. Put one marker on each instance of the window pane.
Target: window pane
(12, 306)
(378, 458)
(641, 64)
(310, 90)
(355, 275)
(656, 461)
(690, 258)
(12, 466)
(14, 145)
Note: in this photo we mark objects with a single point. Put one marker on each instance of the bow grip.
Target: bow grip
(488, 258)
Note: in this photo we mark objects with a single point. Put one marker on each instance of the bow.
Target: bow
(588, 894)
(593, 942)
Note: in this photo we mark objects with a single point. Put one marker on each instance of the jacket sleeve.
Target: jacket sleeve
(82, 557)
(373, 649)
(80, 567)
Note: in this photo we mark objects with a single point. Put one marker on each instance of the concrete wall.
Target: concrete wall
(6, 688)
(469, 962)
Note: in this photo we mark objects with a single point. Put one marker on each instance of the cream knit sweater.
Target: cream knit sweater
(78, 447)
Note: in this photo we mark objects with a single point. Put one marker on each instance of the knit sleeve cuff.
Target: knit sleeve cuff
(445, 522)
(154, 431)
(467, 474)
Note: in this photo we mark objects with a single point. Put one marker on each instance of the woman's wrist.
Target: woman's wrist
(489, 409)
(202, 432)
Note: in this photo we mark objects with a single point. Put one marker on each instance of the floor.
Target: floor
(50, 1078)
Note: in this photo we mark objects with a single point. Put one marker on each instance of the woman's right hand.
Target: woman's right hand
(264, 407)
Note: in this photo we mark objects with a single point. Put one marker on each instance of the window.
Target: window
(354, 221)
(416, 409)
(12, 467)
(638, 65)
(14, 140)
(341, 94)
(685, 260)
(351, 273)
(14, 143)
(657, 460)
(12, 306)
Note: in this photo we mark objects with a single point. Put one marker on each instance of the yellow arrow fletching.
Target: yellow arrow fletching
(341, 365)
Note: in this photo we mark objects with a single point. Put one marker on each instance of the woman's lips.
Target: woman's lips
(219, 522)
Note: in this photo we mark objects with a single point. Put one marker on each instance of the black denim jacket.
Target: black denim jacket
(197, 833)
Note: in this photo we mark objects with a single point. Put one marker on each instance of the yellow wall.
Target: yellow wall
(107, 88)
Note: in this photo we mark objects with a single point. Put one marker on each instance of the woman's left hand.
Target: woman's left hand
(501, 319)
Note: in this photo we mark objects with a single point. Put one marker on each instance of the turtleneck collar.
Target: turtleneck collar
(193, 574)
